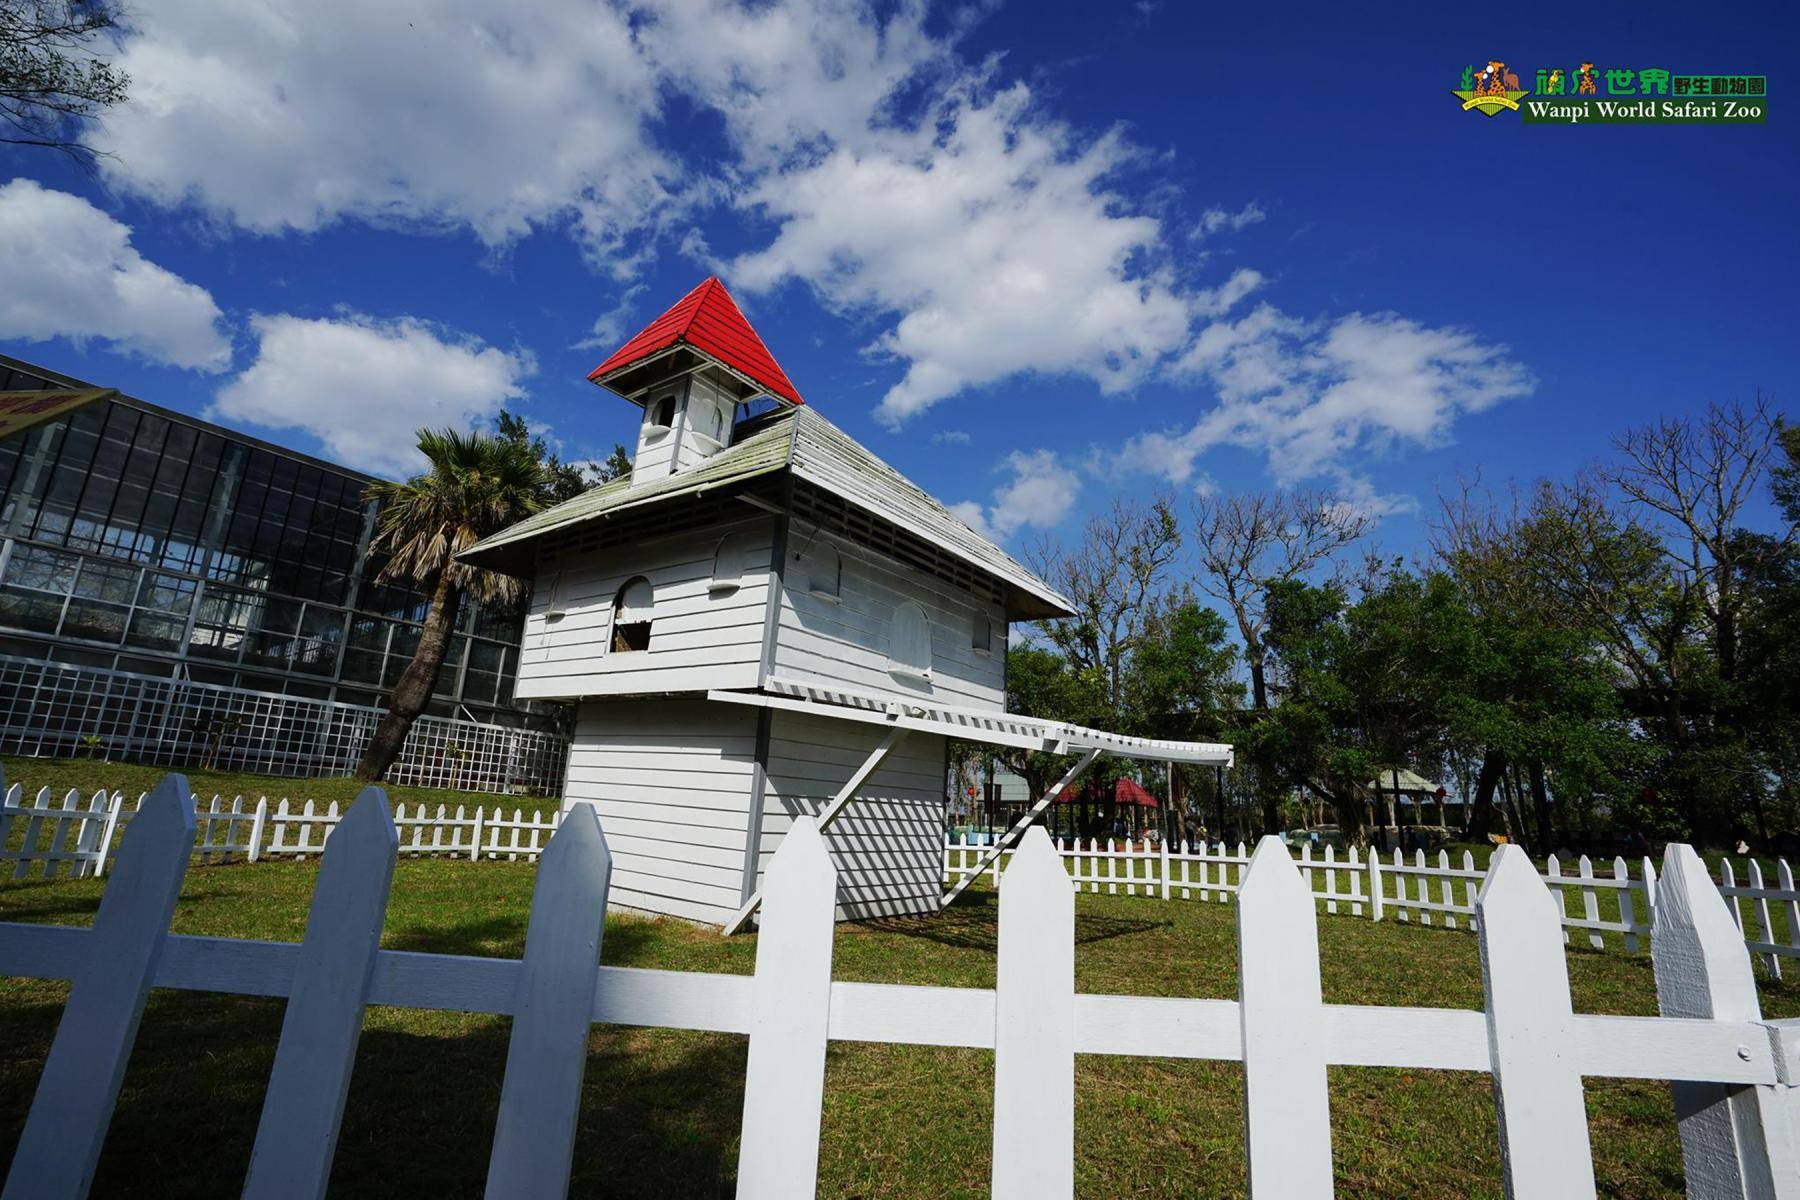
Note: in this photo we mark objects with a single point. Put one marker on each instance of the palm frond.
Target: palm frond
(476, 485)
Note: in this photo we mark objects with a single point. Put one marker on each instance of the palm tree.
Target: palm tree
(476, 485)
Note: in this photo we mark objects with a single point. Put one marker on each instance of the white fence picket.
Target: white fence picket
(1542, 1114)
(1535, 1047)
(1034, 1028)
(784, 1077)
(553, 1007)
(1287, 1113)
(1736, 1141)
(60, 1144)
(303, 1108)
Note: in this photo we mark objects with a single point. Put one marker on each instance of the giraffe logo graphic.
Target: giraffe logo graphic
(1490, 89)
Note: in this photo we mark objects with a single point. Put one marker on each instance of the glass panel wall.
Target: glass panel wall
(126, 529)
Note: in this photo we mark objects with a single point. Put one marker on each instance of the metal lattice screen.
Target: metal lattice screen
(53, 709)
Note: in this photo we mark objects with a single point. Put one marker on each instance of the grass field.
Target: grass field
(662, 1108)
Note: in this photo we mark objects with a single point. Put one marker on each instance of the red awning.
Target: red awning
(709, 320)
(1124, 792)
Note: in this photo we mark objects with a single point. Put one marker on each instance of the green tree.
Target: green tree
(51, 78)
(1250, 542)
(475, 485)
(1180, 684)
(562, 480)
(1114, 575)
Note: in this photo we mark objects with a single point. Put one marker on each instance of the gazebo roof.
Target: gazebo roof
(1399, 779)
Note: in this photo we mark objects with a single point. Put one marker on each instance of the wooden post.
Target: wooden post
(1034, 1028)
(304, 1106)
(66, 1126)
(1287, 1114)
(827, 816)
(257, 820)
(784, 1078)
(1736, 1141)
(993, 852)
(1544, 1149)
(109, 833)
(553, 1010)
(1377, 902)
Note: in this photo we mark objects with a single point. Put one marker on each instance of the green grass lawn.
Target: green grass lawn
(662, 1108)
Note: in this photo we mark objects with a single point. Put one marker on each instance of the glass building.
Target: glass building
(140, 540)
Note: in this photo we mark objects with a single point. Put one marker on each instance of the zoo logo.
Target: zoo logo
(1490, 90)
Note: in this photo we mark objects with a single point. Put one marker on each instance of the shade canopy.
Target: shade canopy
(1123, 792)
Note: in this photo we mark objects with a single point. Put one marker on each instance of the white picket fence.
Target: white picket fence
(1594, 903)
(1736, 1076)
(78, 838)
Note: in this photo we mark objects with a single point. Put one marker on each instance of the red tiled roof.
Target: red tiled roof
(709, 320)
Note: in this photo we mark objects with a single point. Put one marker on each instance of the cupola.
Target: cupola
(690, 370)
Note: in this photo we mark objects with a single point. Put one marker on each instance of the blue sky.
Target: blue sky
(1034, 255)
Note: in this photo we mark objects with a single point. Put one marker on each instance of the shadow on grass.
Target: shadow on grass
(972, 923)
(659, 1117)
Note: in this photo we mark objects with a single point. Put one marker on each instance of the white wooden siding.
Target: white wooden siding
(671, 783)
(888, 845)
(845, 641)
(656, 447)
(700, 638)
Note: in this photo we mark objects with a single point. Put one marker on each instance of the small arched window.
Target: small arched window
(662, 413)
(822, 571)
(909, 641)
(707, 419)
(736, 558)
(633, 609)
(982, 640)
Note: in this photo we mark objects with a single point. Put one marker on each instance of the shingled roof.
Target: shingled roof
(814, 450)
(708, 320)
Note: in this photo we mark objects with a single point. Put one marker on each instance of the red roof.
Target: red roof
(709, 320)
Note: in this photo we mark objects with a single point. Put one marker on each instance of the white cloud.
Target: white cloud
(71, 271)
(611, 327)
(1218, 220)
(363, 386)
(1314, 397)
(986, 234)
(933, 199)
(455, 113)
(1039, 495)
(952, 437)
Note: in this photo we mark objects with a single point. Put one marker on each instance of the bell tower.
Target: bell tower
(690, 370)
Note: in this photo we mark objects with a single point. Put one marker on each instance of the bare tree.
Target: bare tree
(51, 78)
(1247, 542)
(1113, 577)
(1694, 479)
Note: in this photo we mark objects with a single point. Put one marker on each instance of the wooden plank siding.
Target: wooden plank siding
(844, 641)
(670, 780)
(701, 636)
(888, 845)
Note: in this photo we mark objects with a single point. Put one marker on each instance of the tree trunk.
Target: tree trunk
(414, 688)
(1540, 799)
(1482, 811)
(1267, 786)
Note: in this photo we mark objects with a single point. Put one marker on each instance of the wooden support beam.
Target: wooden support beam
(830, 814)
(1017, 831)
